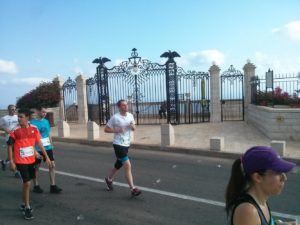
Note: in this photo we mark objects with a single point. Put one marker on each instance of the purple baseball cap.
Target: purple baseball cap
(261, 158)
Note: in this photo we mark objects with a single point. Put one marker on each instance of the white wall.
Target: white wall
(276, 123)
(55, 112)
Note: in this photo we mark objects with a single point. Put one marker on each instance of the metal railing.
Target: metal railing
(280, 89)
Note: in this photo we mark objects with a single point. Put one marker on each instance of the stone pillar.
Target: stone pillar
(249, 71)
(216, 143)
(279, 146)
(81, 99)
(61, 102)
(93, 131)
(167, 135)
(215, 104)
(63, 129)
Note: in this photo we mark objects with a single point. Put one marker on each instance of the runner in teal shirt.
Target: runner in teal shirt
(44, 128)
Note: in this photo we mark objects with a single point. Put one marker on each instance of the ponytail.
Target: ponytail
(237, 185)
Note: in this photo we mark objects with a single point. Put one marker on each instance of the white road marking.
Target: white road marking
(166, 193)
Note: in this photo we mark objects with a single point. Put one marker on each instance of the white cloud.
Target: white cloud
(8, 67)
(117, 62)
(277, 63)
(205, 59)
(291, 30)
(85, 68)
(30, 81)
(77, 70)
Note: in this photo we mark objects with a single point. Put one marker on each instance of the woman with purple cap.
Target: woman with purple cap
(257, 175)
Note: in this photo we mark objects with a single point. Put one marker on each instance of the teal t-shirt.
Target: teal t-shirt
(44, 128)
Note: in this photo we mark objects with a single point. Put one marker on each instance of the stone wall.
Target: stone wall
(55, 112)
(276, 123)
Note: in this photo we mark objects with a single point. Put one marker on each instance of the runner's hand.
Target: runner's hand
(12, 166)
(37, 155)
(118, 130)
(132, 126)
(48, 162)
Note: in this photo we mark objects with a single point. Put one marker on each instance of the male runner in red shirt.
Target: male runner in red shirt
(22, 155)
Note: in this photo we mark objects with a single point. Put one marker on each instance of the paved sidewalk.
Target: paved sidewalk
(238, 136)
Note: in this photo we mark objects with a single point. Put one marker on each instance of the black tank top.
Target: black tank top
(248, 198)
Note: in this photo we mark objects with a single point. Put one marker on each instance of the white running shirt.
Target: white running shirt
(118, 120)
(9, 122)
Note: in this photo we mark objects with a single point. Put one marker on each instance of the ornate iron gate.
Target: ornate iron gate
(232, 95)
(193, 92)
(70, 100)
(147, 86)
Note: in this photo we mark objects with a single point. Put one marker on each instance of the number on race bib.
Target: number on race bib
(26, 151)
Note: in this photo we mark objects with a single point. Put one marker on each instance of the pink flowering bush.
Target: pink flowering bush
(278, 97)
(47, 94)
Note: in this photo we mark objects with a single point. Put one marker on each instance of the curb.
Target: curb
(158, 148)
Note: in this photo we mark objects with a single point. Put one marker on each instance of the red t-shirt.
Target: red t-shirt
(25, 138)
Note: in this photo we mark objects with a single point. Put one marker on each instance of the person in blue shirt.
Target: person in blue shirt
(44, 128)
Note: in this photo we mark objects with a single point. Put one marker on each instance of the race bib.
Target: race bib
(26, 152)
(46, 141)
(126, 138)
(126, 141)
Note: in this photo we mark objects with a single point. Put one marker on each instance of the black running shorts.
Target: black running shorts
(50, 155)
(27, 171)
(120, 151)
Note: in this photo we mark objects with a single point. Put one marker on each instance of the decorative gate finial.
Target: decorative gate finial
(101, 61)
(135, 59)
(170, 55)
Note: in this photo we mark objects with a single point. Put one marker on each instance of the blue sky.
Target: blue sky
(40, 39)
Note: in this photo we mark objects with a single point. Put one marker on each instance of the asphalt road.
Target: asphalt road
(177, 190)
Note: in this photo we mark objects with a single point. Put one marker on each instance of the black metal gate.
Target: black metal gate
(147, 86)
(193, 95)
(232, 95)
(70, 100)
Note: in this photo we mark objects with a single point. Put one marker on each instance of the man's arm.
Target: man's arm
(11, 158)
(40, 144)
(2, 123)
(4, 129)
(50, 135)
(108, 129)
(132, 126)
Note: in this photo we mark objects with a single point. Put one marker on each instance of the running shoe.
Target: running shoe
(28, 214)
(37, 189)
(3, 165)
(109, 184)
(136, 192)
(54, 189)
(22, 208)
